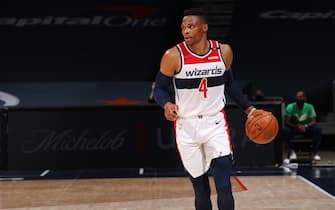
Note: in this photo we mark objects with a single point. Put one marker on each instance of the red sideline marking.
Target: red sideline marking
(240, 183)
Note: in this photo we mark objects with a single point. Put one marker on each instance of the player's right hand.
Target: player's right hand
(171, 111)
(255, 112)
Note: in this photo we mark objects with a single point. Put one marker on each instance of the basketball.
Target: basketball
(262, 128)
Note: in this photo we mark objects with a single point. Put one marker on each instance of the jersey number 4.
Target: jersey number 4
(203, 87)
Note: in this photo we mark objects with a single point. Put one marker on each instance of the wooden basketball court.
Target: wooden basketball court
(250, 192)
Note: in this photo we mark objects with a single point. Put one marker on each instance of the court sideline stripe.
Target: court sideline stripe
(317, 187)
(11, 178)
(240, 183)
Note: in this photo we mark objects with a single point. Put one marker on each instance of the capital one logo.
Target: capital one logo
(297, 16)
(124, 16)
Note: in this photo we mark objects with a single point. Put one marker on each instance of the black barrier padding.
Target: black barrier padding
(3, 138)
(114, 137)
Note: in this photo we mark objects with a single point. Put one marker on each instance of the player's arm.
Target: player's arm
(312, 116)
(230, 85)
(288, 121)
(312, 122)
(289, 114)
(299, 127)
(227, 54)
(170, 63)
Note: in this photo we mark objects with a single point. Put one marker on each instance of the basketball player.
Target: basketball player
(200, 70)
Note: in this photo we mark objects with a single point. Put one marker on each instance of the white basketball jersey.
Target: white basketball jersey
(199, 86)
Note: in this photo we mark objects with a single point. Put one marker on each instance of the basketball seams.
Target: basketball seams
(253, 121)
(261, 117)
(266, 128)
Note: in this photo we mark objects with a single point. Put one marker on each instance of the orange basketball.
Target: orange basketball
(262, 128)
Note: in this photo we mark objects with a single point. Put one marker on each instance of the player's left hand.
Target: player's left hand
(171, 111)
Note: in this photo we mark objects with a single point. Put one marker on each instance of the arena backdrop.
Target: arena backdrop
(76, 40)
(283, 39)
(98, 40)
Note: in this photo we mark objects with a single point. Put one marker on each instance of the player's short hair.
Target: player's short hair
(197, 12)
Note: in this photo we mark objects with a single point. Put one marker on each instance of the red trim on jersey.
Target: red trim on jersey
(227, 130)
(214, 44)
(175, 134)
(192, 58)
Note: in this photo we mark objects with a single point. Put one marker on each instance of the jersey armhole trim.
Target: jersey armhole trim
(221, 56)
(181, 60)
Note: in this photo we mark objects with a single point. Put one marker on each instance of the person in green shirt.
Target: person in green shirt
(300, 118)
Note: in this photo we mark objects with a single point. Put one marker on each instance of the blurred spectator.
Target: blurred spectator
(259, 95)
(300, 118)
